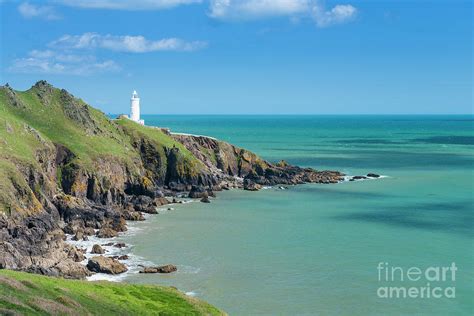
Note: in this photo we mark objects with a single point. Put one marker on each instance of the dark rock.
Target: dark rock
(249, 185)
(101, 264)
(122, 257)
(198, 192)
(205, 199)
(373, 175)
(120, 245)
(158, 194)
(359, 177)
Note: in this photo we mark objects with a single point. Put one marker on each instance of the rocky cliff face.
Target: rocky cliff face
(66, 168)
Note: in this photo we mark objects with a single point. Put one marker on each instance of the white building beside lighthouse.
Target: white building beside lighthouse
(135, 108)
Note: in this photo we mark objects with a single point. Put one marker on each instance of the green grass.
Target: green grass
(29, 294)
(154, 134)
(44, 119)
(188, 164)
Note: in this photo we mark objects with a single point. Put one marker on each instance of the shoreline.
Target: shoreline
(135, 263)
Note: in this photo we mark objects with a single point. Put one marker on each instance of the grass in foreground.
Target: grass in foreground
(30, 294)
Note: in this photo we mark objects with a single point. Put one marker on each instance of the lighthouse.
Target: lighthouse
(135, 108)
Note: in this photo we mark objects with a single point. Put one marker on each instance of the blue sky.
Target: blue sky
(247, 56)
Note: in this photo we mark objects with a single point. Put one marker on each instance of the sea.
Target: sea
(400, 244)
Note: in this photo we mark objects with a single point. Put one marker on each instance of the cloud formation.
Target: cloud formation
(51, 62)
(126, 4)
(258, 9)
(338, 14)
(29, 11)
(73, 54)
(254, 9)
(125, 43)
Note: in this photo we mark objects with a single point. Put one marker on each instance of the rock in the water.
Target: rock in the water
(249, 185)
(205, 199)
(97, 249)
(103, 264)
(120, 245)
(106, 232)
(89, 231)
(133, 216)
(161, 269)
(198, 192)
(78, 236)
(359, 177)
(373, 175)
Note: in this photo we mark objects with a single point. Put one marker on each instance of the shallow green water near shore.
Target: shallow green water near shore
(314, 249)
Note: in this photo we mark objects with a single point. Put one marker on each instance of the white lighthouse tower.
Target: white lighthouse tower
(135, 108)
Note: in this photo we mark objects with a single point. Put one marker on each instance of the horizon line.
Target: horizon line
(305, 114)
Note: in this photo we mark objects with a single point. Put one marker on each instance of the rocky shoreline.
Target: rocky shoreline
(112, 172)
(83, 176)
(38, 244)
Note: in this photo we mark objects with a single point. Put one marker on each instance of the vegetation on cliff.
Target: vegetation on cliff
(45, 125)
(28, 294)
(65, 168)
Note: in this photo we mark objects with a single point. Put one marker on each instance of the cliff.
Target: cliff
(66, 168)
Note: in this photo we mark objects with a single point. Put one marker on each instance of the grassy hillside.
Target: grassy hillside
(29, 294)
(34, 121)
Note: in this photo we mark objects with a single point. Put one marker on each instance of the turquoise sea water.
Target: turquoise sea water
(314, 249)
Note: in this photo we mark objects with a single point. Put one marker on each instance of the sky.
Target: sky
(246, 56)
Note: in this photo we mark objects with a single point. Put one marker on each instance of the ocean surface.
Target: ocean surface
(315, 249)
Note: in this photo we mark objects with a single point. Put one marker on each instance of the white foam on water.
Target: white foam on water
(133, 263)
(191, 293)
(188, 201)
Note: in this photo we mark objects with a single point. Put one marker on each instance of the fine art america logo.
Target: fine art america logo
(416, 282)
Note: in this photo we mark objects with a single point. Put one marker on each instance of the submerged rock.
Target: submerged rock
(373, 175)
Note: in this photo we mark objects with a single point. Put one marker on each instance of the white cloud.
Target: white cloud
(72, 54)
(253, 9)
(125, 43)
(51, 62)
(29, 11)
(126, 4)
(338, 14)
(294, 9)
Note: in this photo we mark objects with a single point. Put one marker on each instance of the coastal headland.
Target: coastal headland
(68, 169)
